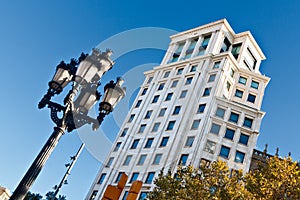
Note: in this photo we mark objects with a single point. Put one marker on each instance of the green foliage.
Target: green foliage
(33, 196)
(49, 196)
(277, 179)
(274, 179)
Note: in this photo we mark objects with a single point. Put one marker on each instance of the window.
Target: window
(212, 78)
(117, 146)
(150, 79)
(149, 143)
(231, 72)
(157, 159)
(206, 92)
(164, 141)
(183, 159)
(102, 178)
(170, 125)
(167, 73)
(210, 147)
(142, 128)
(254, 84)
(228, 85)
(215, 128)
(138, 103)
(162, 112)
(161, 86)
(204, 162)
(131, 118)
(183, 94)
(239, 157)
(148, 114)
(143, 196)
(135, 143)
(236, 50)
(144, 91)
(124, 132)
(118, 177)
(229, 134)
(193, 68)
(109, 162)
(127, 160)
(195, 124)
(201, 108)
(177, 53)
(251, 98)
(220, 112)
(234, 117)
(155, 127)
(189, 141)
(242, 80)
(248, 122)
(134, 177)
(204, 45)
(239, 93)
(169, 96)
(142, 159)
(155, 98)
(125, 195)
(224, 152)
(217, 65)
(244, 139)
(225, 46)
(174, 83)
(94, 194)
(250, 60)
(150, 177)
(176, 110)
(179, 71)
(191, 47)
(188, 81)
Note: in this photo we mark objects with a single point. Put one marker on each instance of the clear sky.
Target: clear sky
(36, 35)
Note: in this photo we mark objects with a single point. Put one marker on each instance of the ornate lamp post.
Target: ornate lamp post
(83, 95)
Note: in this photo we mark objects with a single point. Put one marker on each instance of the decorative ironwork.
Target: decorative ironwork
(73, 114)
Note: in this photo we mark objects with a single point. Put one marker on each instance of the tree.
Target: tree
(33, 196)
(274, 179)
(212, 182)
(49, 196)
(37, 196)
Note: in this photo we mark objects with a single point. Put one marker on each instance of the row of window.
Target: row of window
(198, 47)
(234, 117)
(243, 81)
(161, 113)
(143, 196)
(171, 123)
(180, 70)
(133, 177)
(229, 133)
(200, 43)
(224, 153)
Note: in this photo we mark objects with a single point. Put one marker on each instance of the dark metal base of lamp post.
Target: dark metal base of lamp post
(37, 165)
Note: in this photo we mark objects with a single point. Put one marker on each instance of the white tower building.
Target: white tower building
(203, 102)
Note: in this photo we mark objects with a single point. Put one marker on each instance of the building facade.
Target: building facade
(203, 102)
(4, 193)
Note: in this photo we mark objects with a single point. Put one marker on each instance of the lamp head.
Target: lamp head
(94, 66)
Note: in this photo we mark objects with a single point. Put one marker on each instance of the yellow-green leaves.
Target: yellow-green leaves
(274, 179)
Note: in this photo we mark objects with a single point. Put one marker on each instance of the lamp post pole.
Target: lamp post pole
(77, 103)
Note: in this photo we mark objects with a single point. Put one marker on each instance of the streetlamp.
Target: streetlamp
(85, 80)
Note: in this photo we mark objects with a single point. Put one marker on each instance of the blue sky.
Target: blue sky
(36, 35)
